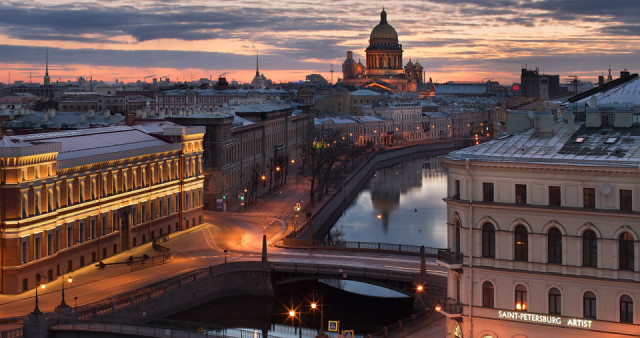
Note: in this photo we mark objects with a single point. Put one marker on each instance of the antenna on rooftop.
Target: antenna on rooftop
(331, 74)
(575, 84)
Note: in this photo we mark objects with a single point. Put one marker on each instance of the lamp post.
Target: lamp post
(39, 284)
(292, 314)
(317, 304)
(69, 279)
(225, 256)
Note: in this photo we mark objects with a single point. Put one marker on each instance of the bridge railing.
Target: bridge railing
(404, 249)
(169, 329)
(348, 270)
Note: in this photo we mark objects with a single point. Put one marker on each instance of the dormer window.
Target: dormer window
(579, 139)
(611, 140)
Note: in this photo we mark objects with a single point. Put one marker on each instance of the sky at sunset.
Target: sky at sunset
(459, 40)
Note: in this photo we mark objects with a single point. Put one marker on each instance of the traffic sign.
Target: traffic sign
(347, 333)
(333, 325)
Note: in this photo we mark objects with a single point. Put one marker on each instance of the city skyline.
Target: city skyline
(464, 40)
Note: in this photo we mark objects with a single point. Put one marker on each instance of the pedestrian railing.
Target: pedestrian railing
(377, 247)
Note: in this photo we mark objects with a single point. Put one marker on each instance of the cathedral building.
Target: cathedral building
(383, 68)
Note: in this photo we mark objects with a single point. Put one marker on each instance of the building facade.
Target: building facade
(543, 233)
(73, 198)
(244, 141)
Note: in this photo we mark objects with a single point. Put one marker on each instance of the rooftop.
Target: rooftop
(605, 146)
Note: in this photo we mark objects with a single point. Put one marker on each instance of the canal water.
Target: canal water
(401, 204)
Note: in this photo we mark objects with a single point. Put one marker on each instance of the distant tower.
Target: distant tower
(257, 68)
(609, 78)
(47, 80)
(259, 81)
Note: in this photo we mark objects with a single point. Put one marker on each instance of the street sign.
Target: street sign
(347, 333)
(333, 326)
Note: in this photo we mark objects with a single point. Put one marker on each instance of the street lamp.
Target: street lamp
(292, 314)
(39, 284)
(69, 279)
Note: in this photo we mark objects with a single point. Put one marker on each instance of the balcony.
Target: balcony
(449, 307)
(449, 259)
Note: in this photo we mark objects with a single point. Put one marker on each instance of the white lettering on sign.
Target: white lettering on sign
(579, 323)
(530, 317)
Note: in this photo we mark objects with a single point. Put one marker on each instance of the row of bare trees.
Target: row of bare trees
(327, 158)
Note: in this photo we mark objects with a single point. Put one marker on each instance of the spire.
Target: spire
(257, 69)
(47, 80)
(383, 17)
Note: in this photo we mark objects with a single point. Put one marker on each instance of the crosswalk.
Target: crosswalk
(285, 216)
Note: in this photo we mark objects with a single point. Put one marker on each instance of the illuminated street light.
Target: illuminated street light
(293, 161)
(36, 310)
(379, 216)
(69, 280)
(277, 168)
(420, 288)
(438, 307)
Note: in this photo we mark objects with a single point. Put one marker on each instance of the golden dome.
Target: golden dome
(383, 30)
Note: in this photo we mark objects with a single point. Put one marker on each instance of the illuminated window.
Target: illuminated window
(579, 139)
(521, 298)
(625, 251)
(521, 243)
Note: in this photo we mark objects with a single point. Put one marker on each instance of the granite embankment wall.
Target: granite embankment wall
(183, 292)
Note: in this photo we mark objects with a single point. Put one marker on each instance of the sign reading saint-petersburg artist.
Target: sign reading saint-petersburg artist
(545, 319)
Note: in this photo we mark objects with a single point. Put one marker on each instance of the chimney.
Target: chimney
(571, 123)
(82, 118)
(162, 114)
(129, 119)
(106, 113)
(624, 74)
(90, 114)
(51, 112)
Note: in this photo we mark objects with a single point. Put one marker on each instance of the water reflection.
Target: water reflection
(401, 205)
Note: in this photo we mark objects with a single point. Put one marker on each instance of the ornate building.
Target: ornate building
(72, 198)
(384, 63)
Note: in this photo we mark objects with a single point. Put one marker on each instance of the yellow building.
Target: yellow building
(73, 198)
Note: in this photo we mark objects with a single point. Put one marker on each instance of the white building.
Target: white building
(543, 232)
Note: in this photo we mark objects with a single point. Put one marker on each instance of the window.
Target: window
(589, 249)
(487, 294)
(24, 248)
(589, 197)
(521, 298)
(625, 251)
(457, 239)
(105, 224)
(554, 196)
(82, 232)
(488, 240)
(521, 194)
(456, 189)
(521, 244)
(626, 309)
(626, 201)
(589, 305)
(554, 246)
(487, 192)
(69, 235)
(555, 302)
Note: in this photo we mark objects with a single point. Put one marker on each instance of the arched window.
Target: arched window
(625, 251)
(521, 243)
(488, 240)
(521, 297)
(555, 302)
(626, 309)
(487, 294)
(589, 249)
(554, 246)
(589, 305)
(457, 239)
